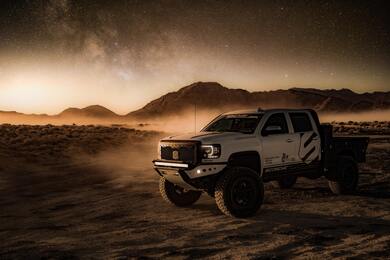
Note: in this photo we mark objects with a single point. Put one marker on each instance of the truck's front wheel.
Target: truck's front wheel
(347, 176)
(176, 195)
(239, 192)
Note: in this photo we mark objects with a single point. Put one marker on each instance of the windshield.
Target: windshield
(243, 123)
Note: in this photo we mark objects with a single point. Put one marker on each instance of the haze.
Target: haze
(59, 54)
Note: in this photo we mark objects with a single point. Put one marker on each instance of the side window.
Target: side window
(301, 122)
(276, 124)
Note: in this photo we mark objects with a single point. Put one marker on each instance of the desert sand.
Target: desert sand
(90, 192)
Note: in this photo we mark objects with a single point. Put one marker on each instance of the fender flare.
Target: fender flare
(250, 159)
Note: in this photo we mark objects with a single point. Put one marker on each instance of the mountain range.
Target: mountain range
(212, 95)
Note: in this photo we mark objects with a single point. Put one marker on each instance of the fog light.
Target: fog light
(198, 171)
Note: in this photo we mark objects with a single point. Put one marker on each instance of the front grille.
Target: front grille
(179, 151)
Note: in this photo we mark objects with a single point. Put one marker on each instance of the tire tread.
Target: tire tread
(221, 187)
(192, 197)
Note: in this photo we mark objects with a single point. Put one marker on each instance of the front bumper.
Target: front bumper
(183, 174)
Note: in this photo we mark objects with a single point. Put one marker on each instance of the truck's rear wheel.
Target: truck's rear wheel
(239, 192)
(347, 176)
(285, 182)
(176, 195)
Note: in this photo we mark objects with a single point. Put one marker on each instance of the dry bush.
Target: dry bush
(47, 141)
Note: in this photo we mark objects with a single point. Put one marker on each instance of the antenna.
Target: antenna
(195, 117)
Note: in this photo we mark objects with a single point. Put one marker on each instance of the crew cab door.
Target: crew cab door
(306, 131)
(279, 146)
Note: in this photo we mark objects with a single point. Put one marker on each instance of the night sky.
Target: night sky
(122, 54)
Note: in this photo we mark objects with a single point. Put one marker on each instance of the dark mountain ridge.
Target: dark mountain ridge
(212, 95)
(90, 111)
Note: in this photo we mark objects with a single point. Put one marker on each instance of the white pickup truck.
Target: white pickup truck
(234, 154)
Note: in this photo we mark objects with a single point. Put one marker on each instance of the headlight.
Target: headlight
(211, 151)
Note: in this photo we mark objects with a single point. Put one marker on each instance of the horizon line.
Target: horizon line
(194, 83)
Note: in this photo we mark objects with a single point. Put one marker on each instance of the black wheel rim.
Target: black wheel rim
(243, 193)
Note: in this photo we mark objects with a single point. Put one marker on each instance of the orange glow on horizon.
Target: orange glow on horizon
(50, 86)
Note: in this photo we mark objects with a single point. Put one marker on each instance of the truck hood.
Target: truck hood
(209, 137)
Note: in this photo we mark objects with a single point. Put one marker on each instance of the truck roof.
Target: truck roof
(263, 111)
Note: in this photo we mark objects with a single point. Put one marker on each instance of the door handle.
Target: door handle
(289, 140)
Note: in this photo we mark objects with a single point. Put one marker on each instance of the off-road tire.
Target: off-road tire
(285, 182)
(347, 176)
(236, 182)
(176, 195)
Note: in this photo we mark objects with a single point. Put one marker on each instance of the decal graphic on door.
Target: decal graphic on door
(309, 148)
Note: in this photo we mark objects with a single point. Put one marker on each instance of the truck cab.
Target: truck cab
(235, 153)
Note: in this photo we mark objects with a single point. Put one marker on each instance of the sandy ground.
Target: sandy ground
(90, 192)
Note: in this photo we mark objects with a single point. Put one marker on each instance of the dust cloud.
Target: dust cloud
(184, 122)
(370, 116)
(17, 119)
(121, 164)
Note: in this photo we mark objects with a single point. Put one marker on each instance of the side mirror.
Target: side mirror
(271, 129)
